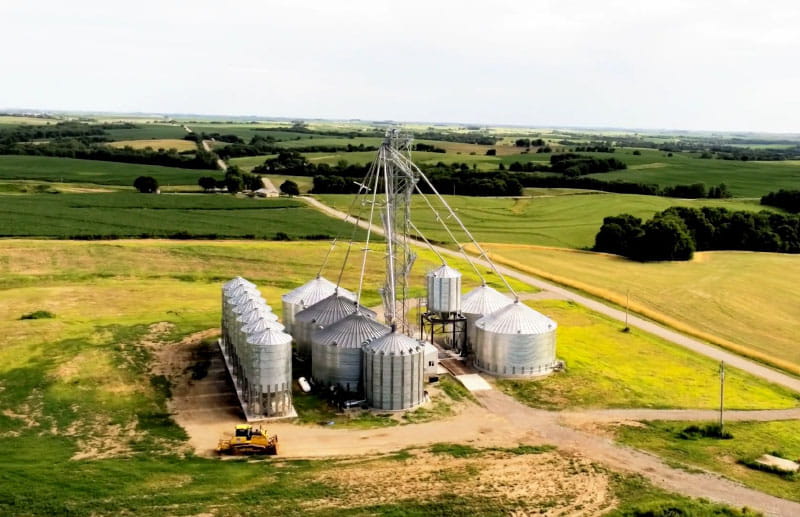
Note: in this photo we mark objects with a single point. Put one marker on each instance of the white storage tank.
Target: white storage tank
(444, 290)
(270, 391)
(480, 302)
(323, 313)
(336, 356)
(394, 366)
(515, 341)
(307, 295)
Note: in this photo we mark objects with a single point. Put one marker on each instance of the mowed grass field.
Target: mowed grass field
(84, 427)
(45, 168)
(164, 143)
(743, 299)
(570, 220)
(750, 441)
(130, 214)
(606, 367)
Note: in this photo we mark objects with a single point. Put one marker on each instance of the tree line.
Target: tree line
(788, 200)
(677, 232)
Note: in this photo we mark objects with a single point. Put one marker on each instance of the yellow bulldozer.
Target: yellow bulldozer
(248, 441)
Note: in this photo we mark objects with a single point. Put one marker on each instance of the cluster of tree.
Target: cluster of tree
(146, 184)
(618, 186)
(266, 145)
(677, 232)
(571, 164)
(74, 148)
(479, 138)
(420, 146)
(529, 142)
(29, 133)
(229, 138)
(789, 200)
(236, 180)
(696, 191)
(595, 148)
(209, 183)
(445, 180)
(290, 188)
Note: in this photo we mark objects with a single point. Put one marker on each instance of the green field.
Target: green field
(750, 441)
(148, 131)
(130, 214)
(609, 368)
(744, 179)
(44, 168)
(744, 298)
(84, 429)
(570, 220)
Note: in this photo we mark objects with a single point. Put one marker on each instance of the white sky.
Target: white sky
(722, 64)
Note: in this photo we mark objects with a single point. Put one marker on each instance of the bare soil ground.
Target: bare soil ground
(207, 409)
(545, 484)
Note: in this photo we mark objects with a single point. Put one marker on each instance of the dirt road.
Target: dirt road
(707, 350)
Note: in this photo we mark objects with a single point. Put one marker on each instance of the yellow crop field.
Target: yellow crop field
(165, 143)
(745, 301)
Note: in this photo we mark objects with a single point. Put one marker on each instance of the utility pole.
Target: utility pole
(721, 393)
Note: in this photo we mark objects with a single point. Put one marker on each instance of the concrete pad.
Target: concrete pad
(779, 463)
(474, 382)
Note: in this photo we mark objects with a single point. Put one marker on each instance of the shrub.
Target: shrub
(38, 315)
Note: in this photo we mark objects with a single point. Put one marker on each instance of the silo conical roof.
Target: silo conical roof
(249, 305)
(516, 318)
(329, 310)
(484, 300)
(394, 343)
(311, 292)
(351, 332)
(445, 271)
(260, 325)
(270, 337)
(237, 281)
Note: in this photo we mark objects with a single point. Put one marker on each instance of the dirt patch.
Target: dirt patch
(106, 441)
(549, 484)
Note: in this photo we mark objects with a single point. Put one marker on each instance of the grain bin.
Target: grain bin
(515, 341)
(444, 290)
(270, 390)
(478, 303)
(394, 366)
(306, 295)
(336, 355)
(325, 312)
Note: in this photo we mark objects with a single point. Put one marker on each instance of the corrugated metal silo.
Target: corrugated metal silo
(323, 313)
(444, 290)
(394, 365)
(515, 341)
(270, 390)
(336, 355)
(307, 295)
(478, 303)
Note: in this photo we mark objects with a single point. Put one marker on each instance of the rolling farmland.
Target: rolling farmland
(129, 214)
(570, 220)
(45, 168)
(746, 298)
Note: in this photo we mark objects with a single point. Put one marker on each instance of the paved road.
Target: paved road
(713, 352)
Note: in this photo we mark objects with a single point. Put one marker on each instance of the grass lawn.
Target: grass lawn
(609, 368)
(130, 214)
(45, 168)
(569, 221)
(750, 441)
(79, 382)
(743, 298)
